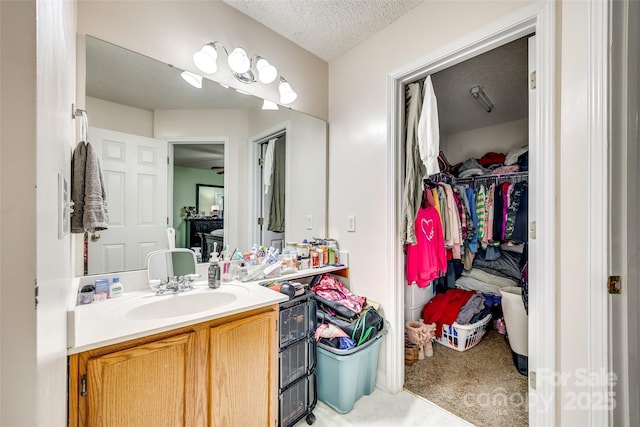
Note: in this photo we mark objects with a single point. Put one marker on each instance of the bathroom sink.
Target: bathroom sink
(181, 304)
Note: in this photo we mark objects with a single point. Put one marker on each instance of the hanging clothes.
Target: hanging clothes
(414, 168)
(454, 222)
(427, 259)
(481, 211)
(87, 191)
(429, 130)
(276, 209)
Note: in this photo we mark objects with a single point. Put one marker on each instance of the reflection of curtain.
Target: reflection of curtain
(276, 211)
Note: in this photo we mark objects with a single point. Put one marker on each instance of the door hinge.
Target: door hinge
(83, 385)
(614, 285)
(261, 162)
(36, 291)
(260, 221)
(532, 380)
(168, 160)
(532, 229)
(532, 80)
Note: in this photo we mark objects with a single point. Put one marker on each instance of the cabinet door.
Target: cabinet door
(243, 362)
(147, 385)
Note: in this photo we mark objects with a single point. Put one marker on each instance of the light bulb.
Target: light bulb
(238, 61)
(266, 72)
(193, 79)
(269, 105)
(205, 59)
(287, 95)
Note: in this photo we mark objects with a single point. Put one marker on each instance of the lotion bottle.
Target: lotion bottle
(115, 290)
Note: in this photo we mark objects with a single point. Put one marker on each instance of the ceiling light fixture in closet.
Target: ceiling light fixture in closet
(482, 98)
(240, 65)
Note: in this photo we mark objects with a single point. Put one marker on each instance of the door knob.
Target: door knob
(95, 237)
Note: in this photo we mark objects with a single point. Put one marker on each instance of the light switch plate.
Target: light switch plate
(351, 223)
(309, 222)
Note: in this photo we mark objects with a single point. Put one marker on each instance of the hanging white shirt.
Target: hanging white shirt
(267, 169)
(429, 130)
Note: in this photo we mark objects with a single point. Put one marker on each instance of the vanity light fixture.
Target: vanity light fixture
(287, 95)
(482, 98)
(269, 105)
(240, 65)
(193, 79)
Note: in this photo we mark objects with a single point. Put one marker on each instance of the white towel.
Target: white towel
(87, 191)
(267, 168)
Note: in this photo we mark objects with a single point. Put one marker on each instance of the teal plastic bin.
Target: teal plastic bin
(344, 376)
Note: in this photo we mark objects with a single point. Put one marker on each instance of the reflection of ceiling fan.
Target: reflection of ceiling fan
(221, 171)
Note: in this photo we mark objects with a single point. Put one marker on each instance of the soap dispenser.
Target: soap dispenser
(214, 272)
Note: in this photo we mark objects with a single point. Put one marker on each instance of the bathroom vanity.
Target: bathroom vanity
(206, 357)
(146, 360)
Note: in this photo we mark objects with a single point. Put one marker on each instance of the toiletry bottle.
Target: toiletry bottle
(101, 290)
(214, 272)
(115, 290)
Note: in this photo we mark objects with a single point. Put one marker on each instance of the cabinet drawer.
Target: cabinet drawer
(296, 361)
(297, 319)
(297, 400)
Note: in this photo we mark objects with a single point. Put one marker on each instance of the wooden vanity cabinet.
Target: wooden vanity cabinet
(217, 373)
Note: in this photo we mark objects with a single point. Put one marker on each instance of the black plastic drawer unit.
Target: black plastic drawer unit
(295, 400)
(297, 360)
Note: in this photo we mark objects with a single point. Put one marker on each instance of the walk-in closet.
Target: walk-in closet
(465, 230)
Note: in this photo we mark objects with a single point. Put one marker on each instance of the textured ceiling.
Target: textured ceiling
(501, 72)
(326, 28)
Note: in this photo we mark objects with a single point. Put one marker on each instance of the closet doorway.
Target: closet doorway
(484, 146)
(270, 179)
(541, 205)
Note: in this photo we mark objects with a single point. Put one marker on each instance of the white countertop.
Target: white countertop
(120, 319)
(140, 313)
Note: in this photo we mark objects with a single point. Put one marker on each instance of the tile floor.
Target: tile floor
(384, 409)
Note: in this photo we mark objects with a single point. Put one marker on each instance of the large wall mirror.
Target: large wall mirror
(141, 111)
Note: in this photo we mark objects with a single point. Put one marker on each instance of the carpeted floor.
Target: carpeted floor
(480, 385)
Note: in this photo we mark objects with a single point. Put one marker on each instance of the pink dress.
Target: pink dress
(427, 259)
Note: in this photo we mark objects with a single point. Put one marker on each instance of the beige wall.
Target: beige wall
(171, 31)
(118, 117)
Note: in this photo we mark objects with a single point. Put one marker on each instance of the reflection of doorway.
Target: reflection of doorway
(271, 179)
(192, 161)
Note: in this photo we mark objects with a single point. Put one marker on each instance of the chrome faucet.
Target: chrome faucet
(177, 284)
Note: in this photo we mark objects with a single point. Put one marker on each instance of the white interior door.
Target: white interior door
(134, 169)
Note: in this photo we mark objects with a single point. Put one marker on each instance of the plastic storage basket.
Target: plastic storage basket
(463, 337)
